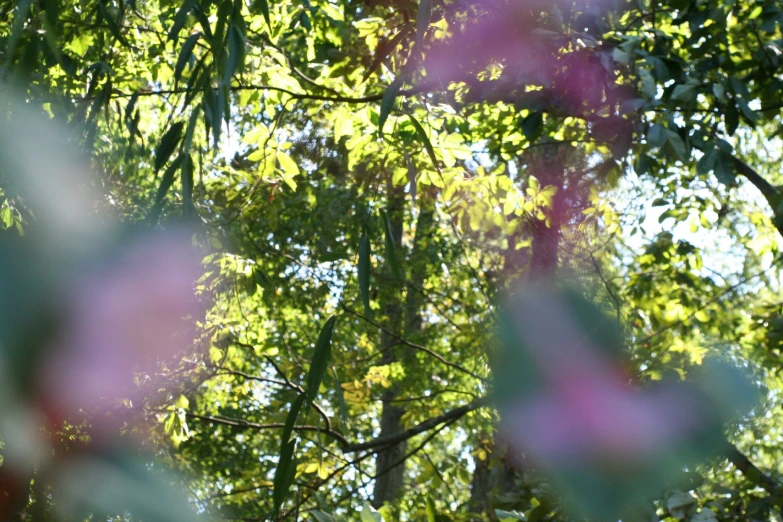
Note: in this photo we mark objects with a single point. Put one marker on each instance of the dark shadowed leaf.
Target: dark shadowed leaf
(167, 144)
(423, 18)
(707, 161)
(284, 473)
(656, 136)
(180, 18)
(724, 169)
(111, 23)
(184, 55)
(364, 272)
(676, 146)
(165, 184)
(532, 125)
(387, 102)
(236, 53)
(320, 516)
(188, 208)
(391, 248)
(320, 360)
(263, 6)
(422, 134)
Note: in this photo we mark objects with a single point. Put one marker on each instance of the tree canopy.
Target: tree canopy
(371, 179)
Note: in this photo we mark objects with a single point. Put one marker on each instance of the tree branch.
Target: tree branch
(242, 423)
(765, 187)
(751, 472)
(413, 345)
(450, 416)
(294, 95)
(287, 384)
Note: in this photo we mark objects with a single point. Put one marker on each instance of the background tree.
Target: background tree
(399, 165)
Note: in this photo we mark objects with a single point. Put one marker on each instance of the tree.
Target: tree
(400, 165)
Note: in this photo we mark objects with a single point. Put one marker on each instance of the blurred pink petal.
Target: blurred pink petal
(122, 318)
(585, 407)
(509, 35)
(610, 422)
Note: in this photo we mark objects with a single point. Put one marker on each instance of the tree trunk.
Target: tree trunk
(388, 471)
(496, 475)
(390, 463)
(547, 167)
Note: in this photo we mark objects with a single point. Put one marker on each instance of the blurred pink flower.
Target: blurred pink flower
(509, 35)
(592, 417)
(122, 319)
(585, 406)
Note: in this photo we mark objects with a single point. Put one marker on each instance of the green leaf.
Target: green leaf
(214, 102)
(732, 119)
(184, 55)
(387, 102)
(188, 208)
(423, 16)
(180, 18)
(385, 47)
(368, 514)
(340, 399)
(263, 6)
(288, 165)
(218, 43)
(332, 256)
(167, 144)
(719, 92)
(320, 361)
(196, 81)
(194, 117)
(676, 146)
(422, 134)
(430, 510)
(203, 21)
(236, 53)
(532, 125)
(656, 136)
(707, 161)
(620, 56)
(632, 105)
(111, 23)
(684, 92)
(679, 499)
(52, 10)
(750, 115)
(739, 87)
(391, 247)
(165, 184)
(20, 16)
(364, 273)
(724, 169)
(284, 473)
(320, 516)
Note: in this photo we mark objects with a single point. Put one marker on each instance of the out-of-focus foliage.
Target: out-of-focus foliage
(92, 314)
(400, 165)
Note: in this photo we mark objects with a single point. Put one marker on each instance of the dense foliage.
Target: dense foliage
(372, 176)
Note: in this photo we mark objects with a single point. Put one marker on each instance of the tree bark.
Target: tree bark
(389, 474)
(390, 463)
(496, 475)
